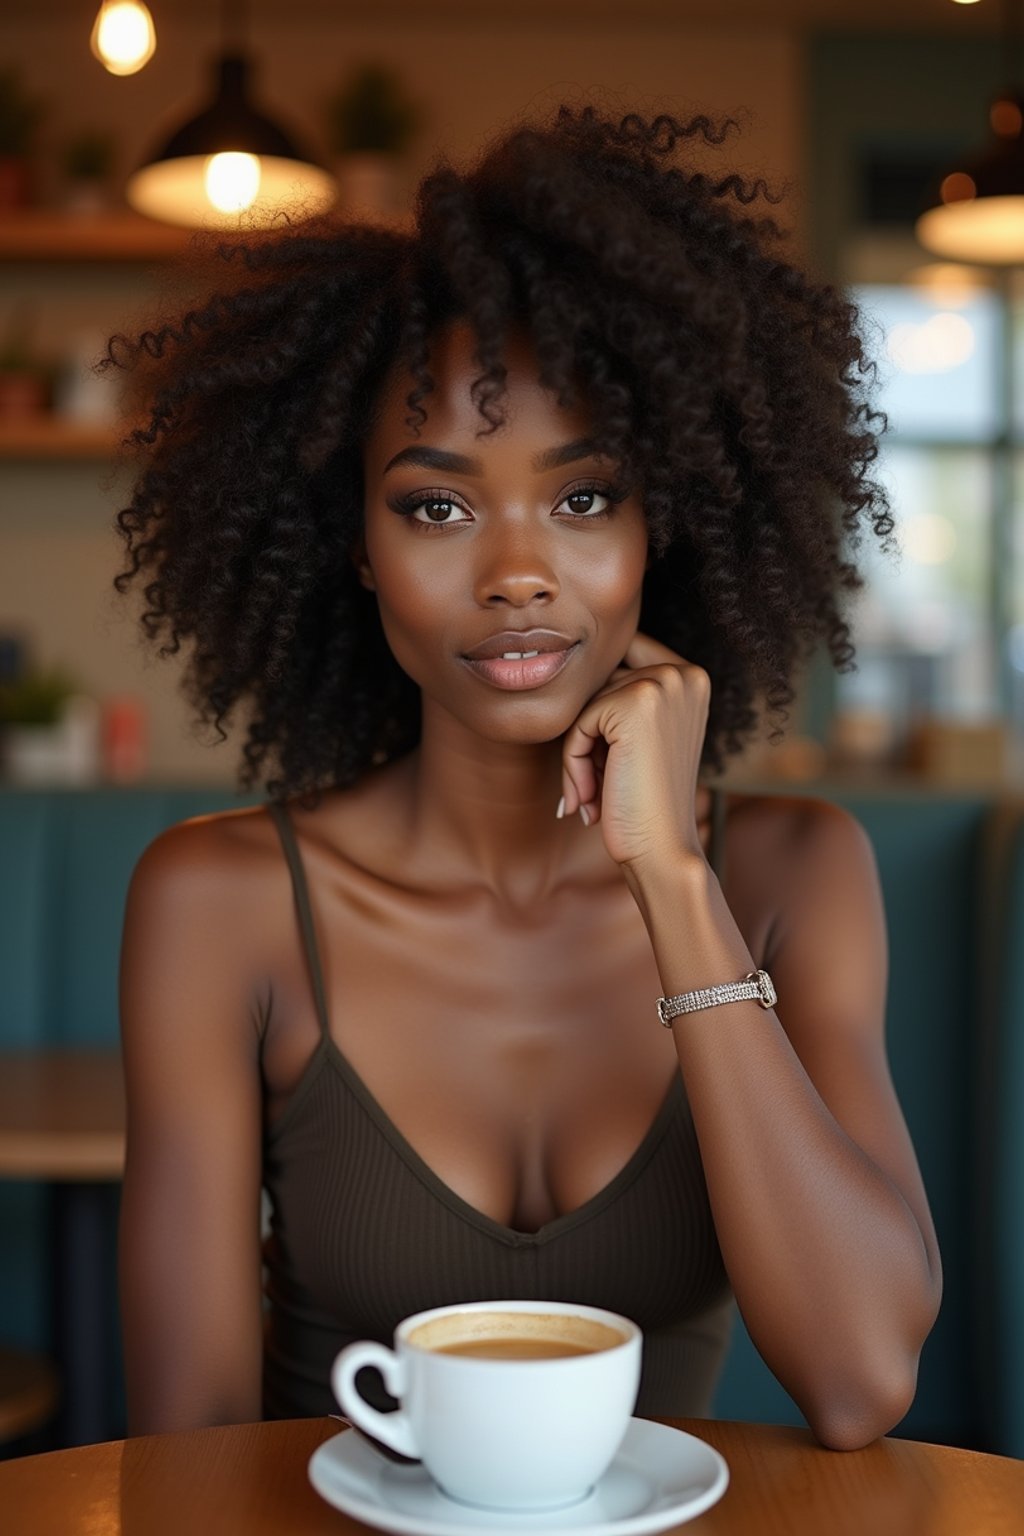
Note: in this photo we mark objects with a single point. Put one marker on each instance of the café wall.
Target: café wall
(469, 76)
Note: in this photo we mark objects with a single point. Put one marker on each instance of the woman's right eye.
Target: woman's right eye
(435, 510)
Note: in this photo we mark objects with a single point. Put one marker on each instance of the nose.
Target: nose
(515, 570)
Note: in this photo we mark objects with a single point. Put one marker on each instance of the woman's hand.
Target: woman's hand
(631, 758)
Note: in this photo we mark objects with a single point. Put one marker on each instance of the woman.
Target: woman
(500, 532)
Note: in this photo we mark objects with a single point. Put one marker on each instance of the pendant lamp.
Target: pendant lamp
(230, 166)
(980, 213)
(123, 36)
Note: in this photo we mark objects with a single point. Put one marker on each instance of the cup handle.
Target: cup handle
(394, 1429)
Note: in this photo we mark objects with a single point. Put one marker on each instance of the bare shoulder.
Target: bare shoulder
(219, 854)
(788, 853)
(214, 885)
(801, 832)
(206, 910)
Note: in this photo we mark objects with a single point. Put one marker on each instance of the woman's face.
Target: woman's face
(525, 533)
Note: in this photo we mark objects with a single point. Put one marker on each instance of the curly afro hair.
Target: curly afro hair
(731, 387)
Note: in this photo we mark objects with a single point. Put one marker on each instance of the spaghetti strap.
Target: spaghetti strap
(716, 842)
(300, 889)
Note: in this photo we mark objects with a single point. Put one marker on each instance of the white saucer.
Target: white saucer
(659, 1478)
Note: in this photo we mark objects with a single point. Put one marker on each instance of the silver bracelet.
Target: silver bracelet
(757, 987)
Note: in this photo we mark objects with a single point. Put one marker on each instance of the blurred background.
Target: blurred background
(122, 128)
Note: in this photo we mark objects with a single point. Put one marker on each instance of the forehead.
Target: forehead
(532, 416)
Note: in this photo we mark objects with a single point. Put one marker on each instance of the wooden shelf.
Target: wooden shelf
(52, 437)
(115, 236)
(49, 235)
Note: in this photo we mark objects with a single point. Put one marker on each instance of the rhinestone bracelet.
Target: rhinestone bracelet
(756, 987)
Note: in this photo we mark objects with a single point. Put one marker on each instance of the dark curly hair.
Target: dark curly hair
(731, 387)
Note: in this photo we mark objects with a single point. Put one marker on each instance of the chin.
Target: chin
(524, 728)
(517, 719)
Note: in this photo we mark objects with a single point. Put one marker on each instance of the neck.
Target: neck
(482, 814)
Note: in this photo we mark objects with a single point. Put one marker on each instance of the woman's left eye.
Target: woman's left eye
(589, 502)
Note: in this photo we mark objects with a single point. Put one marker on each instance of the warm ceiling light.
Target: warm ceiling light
(980, 217)
(123, 36)
(979, 213)
(232, 181)
(229, 164)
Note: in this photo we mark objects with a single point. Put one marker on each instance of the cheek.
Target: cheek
(612, 581)
(414, 613)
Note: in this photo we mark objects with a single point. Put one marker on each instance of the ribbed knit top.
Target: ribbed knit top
(363, 1233)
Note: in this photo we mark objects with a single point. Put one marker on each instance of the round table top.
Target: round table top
(250, 1480)
(62, 1115)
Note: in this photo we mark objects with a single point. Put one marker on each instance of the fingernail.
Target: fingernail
(561, 808)
(585, 814)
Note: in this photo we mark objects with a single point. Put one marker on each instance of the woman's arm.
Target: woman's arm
(818, 1202)
(817, 1199)
(189, 1247)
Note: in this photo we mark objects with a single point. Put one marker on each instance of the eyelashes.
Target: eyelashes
(444, 502)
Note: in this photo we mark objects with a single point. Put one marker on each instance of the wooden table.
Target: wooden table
(62, 1120)
(250, 1480)
(62, 1116)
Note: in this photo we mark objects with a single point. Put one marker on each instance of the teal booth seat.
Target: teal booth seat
(65, 862)
(957, 1060)
(999, 1104)
(930, 852)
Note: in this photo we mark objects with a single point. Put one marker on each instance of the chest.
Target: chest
(521, 1058)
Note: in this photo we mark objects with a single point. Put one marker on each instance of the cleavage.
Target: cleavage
(524, 1078)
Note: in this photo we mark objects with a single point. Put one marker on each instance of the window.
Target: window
(940, 627)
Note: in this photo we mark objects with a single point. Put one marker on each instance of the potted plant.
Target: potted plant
(33, 735)
(370, 122)
(20, 115)
(87, 161)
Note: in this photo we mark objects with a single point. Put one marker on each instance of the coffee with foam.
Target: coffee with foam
(510, 1405)
(515, 1335)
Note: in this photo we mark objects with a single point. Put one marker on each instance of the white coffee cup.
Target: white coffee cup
(512, 1424)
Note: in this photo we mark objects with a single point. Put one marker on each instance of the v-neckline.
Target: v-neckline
(329, 1048)
(512, 1237)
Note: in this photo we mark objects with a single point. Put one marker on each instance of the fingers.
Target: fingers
(585, 751)
(580, 780)
(585, 748)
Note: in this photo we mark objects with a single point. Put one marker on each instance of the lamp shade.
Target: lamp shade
(228, 165)
(980, 213)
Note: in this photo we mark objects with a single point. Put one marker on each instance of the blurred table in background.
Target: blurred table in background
(62, 1121)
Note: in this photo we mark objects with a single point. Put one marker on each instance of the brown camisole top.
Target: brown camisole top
(362, 1233)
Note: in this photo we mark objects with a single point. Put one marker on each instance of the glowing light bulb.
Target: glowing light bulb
(123, 36)
(232, 180)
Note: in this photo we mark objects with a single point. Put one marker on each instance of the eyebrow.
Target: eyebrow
(424, 457)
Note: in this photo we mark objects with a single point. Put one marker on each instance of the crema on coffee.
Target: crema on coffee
(515, 1336)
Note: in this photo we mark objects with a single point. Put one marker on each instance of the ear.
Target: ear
(358, 556)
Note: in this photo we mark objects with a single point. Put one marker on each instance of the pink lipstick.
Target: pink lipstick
(517, 659)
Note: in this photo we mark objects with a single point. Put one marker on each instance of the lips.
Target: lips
(506, 661)
(518, 642)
